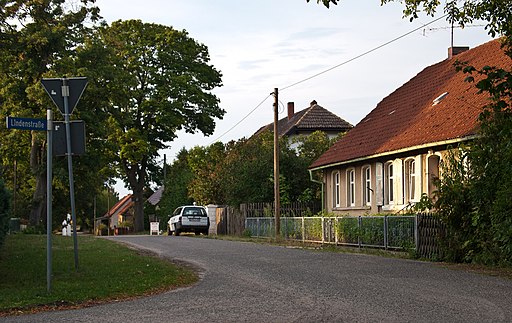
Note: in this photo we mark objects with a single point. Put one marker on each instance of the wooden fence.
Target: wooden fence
(294, 209)
(230, 221)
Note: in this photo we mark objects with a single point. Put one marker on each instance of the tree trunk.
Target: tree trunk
(139, 210)
(37, 166)
(136, 174)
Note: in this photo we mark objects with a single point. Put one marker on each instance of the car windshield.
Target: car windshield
(194, 211)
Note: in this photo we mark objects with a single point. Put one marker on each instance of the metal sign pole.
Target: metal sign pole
(49, 176)
(65, 95)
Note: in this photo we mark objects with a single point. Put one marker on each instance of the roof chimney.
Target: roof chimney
(291, 110)
(452, 51)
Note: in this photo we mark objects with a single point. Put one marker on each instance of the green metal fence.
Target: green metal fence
(398, 232)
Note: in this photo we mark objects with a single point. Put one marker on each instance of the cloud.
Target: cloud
(252, 64)
(316, 33)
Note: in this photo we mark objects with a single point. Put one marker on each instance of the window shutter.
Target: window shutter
(379, 184)
(398, 181)
(419, 173)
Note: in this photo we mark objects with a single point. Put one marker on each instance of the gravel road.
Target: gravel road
(247, 282)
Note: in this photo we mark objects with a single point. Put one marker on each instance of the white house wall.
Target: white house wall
(423, 171)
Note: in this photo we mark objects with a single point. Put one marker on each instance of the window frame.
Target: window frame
(410, 179)
(366, 181)
(336, 189)
(389, 178)
(351, 187)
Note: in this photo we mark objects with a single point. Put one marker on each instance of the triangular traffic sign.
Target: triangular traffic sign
(53, 87)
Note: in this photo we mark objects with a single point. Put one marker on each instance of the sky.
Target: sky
(306, 51)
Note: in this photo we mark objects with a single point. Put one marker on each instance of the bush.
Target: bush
(4, 211)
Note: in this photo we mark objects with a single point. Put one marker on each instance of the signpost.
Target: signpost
(49, 175)
(65, 93)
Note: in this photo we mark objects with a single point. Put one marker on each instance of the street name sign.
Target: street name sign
(27, 124)
(58, 88)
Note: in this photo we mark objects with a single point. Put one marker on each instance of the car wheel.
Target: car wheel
(205, 232)
(197, 233)
(177, 232)
(169, 232)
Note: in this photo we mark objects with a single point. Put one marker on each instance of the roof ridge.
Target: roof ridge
(306, 113)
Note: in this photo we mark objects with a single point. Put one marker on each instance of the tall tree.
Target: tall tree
(34, 36)
(159, 81)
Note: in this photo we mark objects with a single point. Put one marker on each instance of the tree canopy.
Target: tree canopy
(37, 39)
(158, 81)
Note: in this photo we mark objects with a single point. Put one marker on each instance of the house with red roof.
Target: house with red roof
(392, 156)
(118, 215)
(308, 120)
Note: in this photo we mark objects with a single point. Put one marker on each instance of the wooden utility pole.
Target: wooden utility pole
(277, 204)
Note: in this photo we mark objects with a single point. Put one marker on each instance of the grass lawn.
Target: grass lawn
(107, 271)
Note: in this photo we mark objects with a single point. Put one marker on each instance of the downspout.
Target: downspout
(318, 182)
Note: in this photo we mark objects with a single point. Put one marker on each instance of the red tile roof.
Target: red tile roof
(312, 118)
(407, 118)
(120, 207)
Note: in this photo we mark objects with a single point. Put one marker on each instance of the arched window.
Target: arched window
(351, 187)
(367, 190)
(410, 180)
(336, 189)
(388, 183)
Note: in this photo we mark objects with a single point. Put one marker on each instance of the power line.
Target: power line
(330, 69)
(236, 124)
(361, 55)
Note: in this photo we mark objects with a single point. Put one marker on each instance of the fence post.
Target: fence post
(323, 230)
(386, 232)
(336, 230)
(258, 227)
(303, 231)
(416, 238)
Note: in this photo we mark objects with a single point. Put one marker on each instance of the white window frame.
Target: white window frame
(351, 187)
(336, 189)
(389, 183)
(367, 185)
(410, 180)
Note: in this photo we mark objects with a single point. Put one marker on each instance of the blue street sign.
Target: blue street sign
(26, 124)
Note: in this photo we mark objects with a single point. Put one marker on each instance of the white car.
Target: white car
(189, 218)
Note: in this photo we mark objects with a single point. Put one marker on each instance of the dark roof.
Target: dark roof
(407, 117)
(155, 198)
(310, 119)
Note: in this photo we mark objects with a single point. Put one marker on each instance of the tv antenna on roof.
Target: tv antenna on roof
(452, 27)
